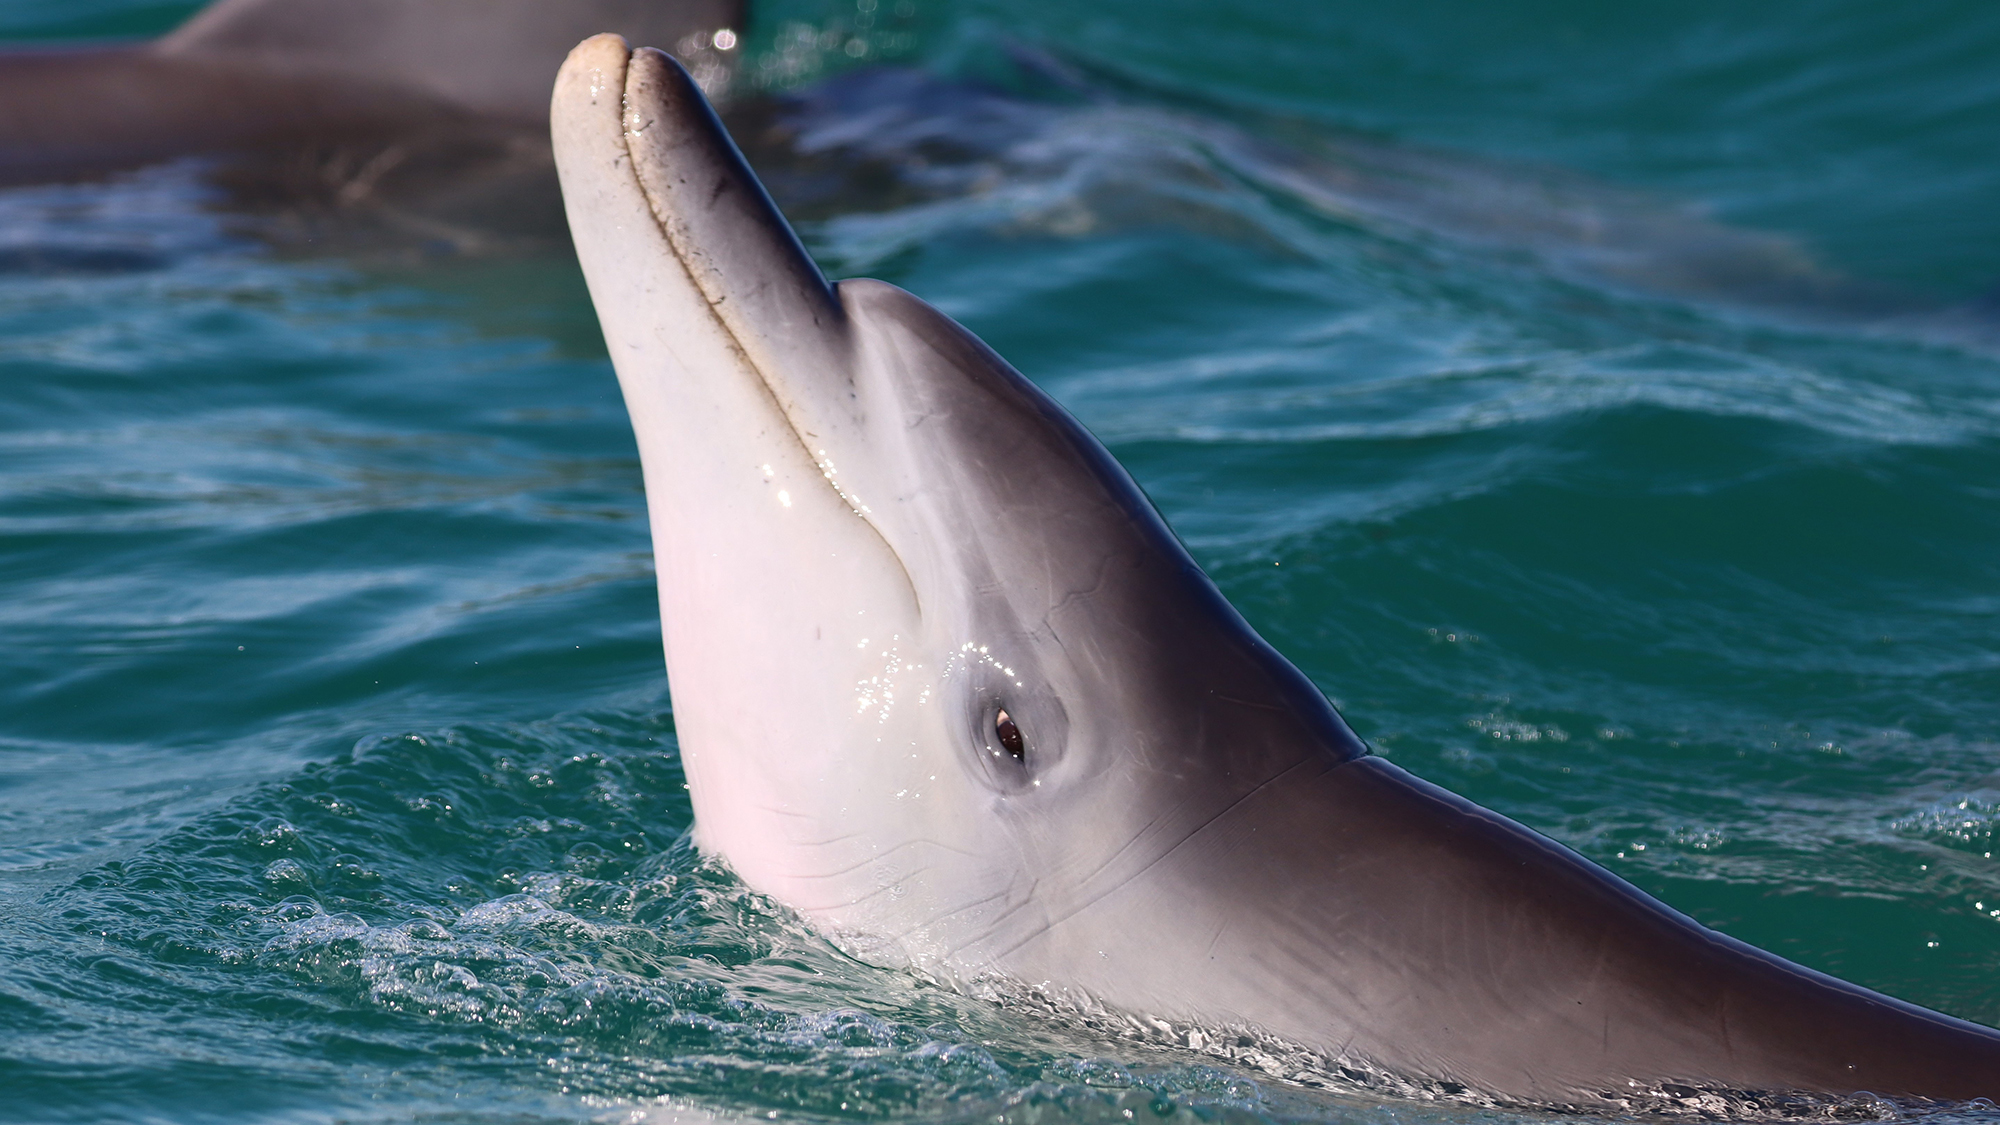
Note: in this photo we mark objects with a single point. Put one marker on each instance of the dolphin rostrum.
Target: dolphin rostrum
(947, 685)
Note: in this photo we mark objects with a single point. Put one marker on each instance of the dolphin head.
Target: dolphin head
(924, 636)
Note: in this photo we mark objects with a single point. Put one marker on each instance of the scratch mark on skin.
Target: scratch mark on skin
(1076, 594)
(1131, 843)
(1325, 768)
(887, 889)
(829, 842)
(778, 811)
(1252, 705)
(952, 912)
(879, 857)
(993, 927)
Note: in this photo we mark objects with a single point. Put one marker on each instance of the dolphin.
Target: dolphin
(1099, 158)
(947, 685)
(390, 84)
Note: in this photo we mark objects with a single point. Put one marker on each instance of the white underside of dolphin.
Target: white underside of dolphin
(945, 684)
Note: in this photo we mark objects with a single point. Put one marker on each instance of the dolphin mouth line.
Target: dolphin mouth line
(635, 120)
(631, 124)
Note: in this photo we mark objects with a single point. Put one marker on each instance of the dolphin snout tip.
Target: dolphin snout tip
(605, 45)
(594, 70)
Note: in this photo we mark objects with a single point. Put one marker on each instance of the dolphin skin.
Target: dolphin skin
(947, 685)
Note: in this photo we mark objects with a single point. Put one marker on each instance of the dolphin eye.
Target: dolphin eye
(1010, 736)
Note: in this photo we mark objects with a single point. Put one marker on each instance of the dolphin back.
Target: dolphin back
(1368, 912)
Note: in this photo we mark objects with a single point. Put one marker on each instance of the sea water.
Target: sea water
(338, 775)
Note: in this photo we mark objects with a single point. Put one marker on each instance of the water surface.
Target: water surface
(338, 777)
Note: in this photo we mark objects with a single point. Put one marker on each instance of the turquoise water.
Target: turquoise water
(338, 774)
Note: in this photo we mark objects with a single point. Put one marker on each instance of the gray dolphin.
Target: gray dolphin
(1100, 158)
(947, 685)
(246, 75)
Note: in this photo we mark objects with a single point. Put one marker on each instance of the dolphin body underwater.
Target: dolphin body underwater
(947, 685)
(420, 120)
(245, 74)
(351, 125)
